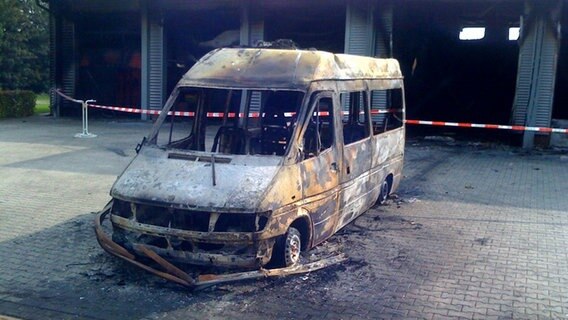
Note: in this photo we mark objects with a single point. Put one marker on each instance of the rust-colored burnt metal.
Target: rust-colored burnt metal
(267, 165)
(288, 69)
(174, 274)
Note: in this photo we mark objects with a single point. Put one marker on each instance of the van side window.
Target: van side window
(355, 116)
(386, 110)
(318, 136)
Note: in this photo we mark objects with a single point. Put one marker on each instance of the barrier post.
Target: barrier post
(85, 119)
(84, 114)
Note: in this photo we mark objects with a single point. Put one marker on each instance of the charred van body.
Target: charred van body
(257, 155)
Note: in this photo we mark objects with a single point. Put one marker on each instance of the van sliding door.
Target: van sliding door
(355, 195)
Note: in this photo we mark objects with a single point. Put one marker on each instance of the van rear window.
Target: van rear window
(386, 110)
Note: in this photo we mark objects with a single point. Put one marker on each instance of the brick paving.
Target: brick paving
(479, 231)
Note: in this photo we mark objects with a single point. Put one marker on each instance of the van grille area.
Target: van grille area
(185, 249)
(191, 220)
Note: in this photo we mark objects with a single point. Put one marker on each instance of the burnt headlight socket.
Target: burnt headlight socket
(261, 220)
(121, 208)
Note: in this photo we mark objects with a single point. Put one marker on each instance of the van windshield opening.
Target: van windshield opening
(230, 121)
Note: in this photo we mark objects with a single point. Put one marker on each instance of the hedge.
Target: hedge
(17, 103)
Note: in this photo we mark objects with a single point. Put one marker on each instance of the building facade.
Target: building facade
(484, 61)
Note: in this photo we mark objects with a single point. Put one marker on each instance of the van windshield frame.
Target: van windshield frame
(228, 121)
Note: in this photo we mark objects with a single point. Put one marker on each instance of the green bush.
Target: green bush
(17, 103)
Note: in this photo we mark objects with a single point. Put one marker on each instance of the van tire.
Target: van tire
(384, 194)
(286, 250)
(292, 247)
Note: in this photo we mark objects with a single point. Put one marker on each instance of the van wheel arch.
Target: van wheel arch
(280, 255)
(303, 225)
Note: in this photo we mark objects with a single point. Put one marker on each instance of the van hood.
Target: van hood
(185, 179)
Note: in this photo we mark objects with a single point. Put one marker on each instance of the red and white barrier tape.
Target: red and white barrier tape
(219, 114)
(326, 113)
(179, 113)
(486, 126)
(129, 110)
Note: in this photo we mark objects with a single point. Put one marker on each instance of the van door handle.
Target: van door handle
(334, 167)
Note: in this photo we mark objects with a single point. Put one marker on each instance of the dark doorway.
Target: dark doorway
(458, 60)
(108, 58)
(560, 107)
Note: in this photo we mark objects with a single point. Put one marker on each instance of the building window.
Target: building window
(514, 33)
(472, 33)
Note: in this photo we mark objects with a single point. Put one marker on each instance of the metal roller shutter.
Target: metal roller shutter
(256, 33)
(536, 75)
(359, 30)
(358, 35)
(69, 68)
(156, 85)
(382, 49)
(524, 76)
(544, 97)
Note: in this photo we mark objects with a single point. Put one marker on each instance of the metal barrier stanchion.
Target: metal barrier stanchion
(84, 115)
(85, 118)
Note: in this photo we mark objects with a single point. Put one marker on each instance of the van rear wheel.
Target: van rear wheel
(384, 194)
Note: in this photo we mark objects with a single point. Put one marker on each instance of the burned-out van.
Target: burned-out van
(259, 154)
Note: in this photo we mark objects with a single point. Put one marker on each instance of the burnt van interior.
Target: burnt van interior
(205, 119)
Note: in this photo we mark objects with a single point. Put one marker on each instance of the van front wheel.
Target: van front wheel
(292, 247)
(287, 249)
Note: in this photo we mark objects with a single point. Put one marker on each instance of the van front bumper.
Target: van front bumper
(173, 273)
(219, 249)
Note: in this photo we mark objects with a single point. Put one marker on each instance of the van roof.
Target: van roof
(284, 69)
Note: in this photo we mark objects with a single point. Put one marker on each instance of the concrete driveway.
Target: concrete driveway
(477, 231)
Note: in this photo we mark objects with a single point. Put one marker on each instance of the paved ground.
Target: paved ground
(478, 231)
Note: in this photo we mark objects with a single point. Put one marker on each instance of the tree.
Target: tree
(24, 46)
